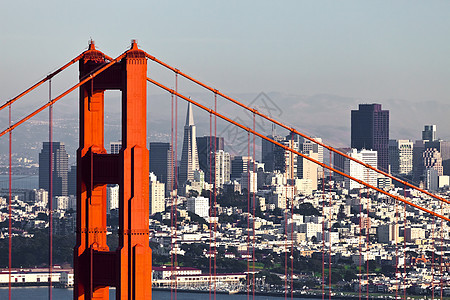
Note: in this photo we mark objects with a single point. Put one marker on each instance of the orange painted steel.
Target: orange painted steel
(248, 129)
(83, 81)
(48, 77)
(291, 129)
(128, 268)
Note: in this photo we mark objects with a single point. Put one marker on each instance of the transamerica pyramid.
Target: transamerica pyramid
(189, 155)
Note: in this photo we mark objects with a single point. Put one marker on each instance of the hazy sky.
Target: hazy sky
(373, 50)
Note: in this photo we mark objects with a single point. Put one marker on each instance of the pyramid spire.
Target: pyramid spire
(189, 115)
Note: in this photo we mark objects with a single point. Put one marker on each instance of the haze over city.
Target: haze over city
(164, 196)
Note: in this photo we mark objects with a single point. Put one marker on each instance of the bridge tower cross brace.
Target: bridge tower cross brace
(96, 267)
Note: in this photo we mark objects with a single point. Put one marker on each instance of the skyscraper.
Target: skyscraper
(189, 155)
(222, 168)
(272, 155)
(401, 157)
(370, 130)
(429, 133)
(161, 163)
(206, 147)
(239, 165)
(59, 167)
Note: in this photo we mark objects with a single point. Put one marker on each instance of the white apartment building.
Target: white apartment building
(199, 206)
(222, 169)
(360, 172)
(156, 195)
(251, 177)
(112, 197)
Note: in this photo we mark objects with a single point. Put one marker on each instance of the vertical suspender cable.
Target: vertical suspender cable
(254, 207)
(359, 244)
(292, 191)
(404, 244)
(176, 198)
(367, 241)
(441, 254)
(286, 213)
(323, 234)
(433, 225)
(215, 194)
(173, 201)
(10, 209)
(329, 234)
(210, 150)
(248, 216)
(396, 229)
(50, 193)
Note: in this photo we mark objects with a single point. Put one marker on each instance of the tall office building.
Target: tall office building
(418, 168)
(370, 130)
(161, 163)
(59, 167)
(115, 147)
(359, 171)
(206, 146)
(432, 160)
(429, 133)
(222, 170)
(239, 165)
(339, 161)
(290, 159)
(272, 155)
(189, 155)
(72, 181)
(401, 157)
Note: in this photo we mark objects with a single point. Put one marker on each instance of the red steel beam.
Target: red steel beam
(256, 112)
(86, 79)
(294, 151)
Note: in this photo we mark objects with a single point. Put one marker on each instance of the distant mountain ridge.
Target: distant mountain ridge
(321, 115)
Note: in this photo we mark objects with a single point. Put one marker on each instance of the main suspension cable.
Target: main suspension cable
(48, 77)
(248, 129)
(292, 129)
(83, 81)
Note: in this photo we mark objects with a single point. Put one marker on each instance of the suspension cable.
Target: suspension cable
(404, 244)
(329, 233)
(10, 208)
(398, 198)
(83, 81)
(292, 129)
(50, 196)
(48, 77)
(176, 197)
(171, 207)
(396, 229)
(248, 217)
(359, 243)
(210, 150)
(323, 234)
(215, 196)
(441, 254)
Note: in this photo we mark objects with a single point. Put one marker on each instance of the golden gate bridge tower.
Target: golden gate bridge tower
(96, 267)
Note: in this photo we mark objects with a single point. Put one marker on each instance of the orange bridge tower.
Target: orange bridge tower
(128, 268)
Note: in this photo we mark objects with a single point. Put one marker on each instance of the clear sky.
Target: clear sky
(363, 49)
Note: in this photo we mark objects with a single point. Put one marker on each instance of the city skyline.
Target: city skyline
(303, 63)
